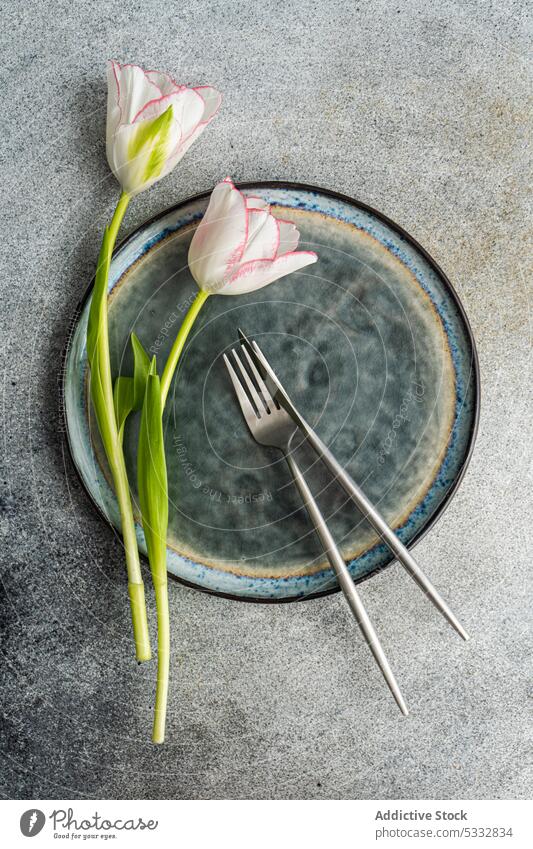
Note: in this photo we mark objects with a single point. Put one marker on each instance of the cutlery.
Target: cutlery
(365, 506)
(271, 425)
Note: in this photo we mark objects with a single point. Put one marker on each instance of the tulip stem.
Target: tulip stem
(163, 659)
(157, 562)
(115, 455)
(179, 342)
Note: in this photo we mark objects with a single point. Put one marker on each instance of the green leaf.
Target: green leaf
(123, 392)
(152, 477)
(141, 367)
(128, 392)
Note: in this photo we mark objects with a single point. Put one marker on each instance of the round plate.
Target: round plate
(374, 348)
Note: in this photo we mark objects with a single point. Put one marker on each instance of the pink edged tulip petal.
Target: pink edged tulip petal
(253, 202)
(212, 100)
(135, 90)
(219, 240)
(184, 145)
(187, 109)
(263, 236)
(211, 108)
(164, 82)
(288, 237)
(113, 98)
(258, 273)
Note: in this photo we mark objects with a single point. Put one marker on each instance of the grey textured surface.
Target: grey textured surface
(418, 109)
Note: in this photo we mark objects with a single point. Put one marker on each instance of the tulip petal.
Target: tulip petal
(135, 91)
(188, 109)
(288, 237)
(219, 240)
(164, 82)
(212, 100)
(254, 275)
(131, 171)
(113, 108)
(253, 202)
(263, 236)
(211, 108)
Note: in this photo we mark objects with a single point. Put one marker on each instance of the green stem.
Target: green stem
(158, 566)
(117, 465)
(179, 342)
(163, 660)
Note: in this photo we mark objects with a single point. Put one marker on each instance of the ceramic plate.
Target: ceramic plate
(372, 344)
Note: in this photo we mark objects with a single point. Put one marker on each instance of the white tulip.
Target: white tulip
(239, 246)
(151, 123)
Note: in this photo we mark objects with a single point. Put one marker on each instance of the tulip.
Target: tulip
(151, 123)
(238, 247)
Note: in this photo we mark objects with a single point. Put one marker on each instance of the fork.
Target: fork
(271, 425)
(369, 510)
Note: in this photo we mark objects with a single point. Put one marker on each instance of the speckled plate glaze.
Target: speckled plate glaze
(375, 349)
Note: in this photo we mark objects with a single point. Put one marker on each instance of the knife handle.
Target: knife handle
(379, 524)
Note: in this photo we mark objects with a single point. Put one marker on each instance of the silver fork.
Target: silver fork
(369, 510)
(271, 425)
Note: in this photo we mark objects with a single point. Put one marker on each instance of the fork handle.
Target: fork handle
(345, 581)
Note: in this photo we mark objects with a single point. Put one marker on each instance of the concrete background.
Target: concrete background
(417, 108)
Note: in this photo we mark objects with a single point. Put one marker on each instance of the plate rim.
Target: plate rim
(475, 375)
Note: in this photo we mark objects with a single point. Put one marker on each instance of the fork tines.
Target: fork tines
(257, 399)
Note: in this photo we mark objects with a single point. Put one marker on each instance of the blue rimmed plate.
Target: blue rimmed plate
(375, 349)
